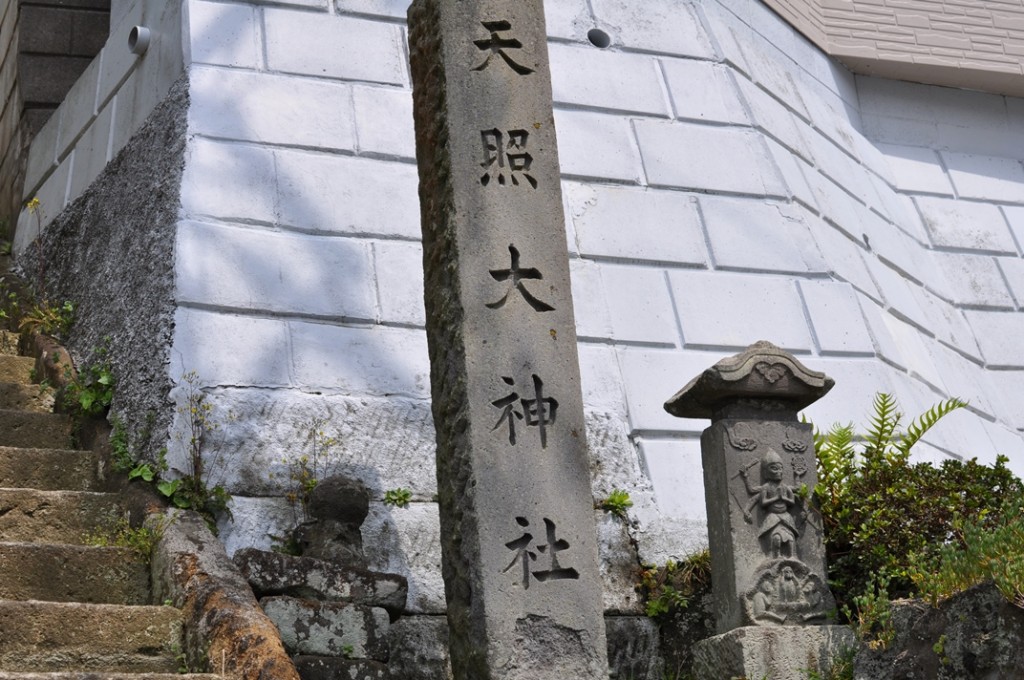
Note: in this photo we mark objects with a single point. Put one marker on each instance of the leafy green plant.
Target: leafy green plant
(617, 503)
(879, 509)
(397, 497)
(48, 319)
(982, 551)
(669, 589)
(841, 668)
(872, 614)
(92, 390)
(195, 488)
(317, 462)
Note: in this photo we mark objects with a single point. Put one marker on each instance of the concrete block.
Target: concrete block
(598, 146)
(399, 269)
(42, 154)
(773, 118)
(116, 59)
(634, 648)
(997, 334)
(603, 79)
(91, 153)
(568, 19)
(315, 44)
(901, 211)
(836, 319)
(794, 172)
(601, 379)
(753, 235)
(1007, 442)
(230, 181)
(78, 109)
(884, 342)
(407, 541)
(947, 323)
(369, 361)
(843, 255)
(384, 443)
(222, 34)
(736, 310)
(311, 197)
(1008, 387)
(703, 91)
(974, 280)
(834, 162)
(256, 522)
(685, 155)
(964, 379)
(639, 305)
(674, 467)
(897, 292)
(307, 4)
(1013, 271)
(44, 79)
(770, 68)
(383, 117)
(247, 350)
(45, 30)
(1015, 218)
(916, 169)
(777, 652)
(256, 270)
(270, 108)
(664, 226)
(656, 26)
(588, 302)
(651, 376)
(395, 9)
(89, 31)
(917, 355)
(857, 382)
(419, 648)
(986, 177)
(965, 224)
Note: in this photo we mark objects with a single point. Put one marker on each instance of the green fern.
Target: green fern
(925, 421)
(882, 434)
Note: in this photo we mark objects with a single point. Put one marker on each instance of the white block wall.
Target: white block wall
(724, 182)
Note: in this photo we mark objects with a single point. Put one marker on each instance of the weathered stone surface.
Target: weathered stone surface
(776, 652)
(766, 539)
(519, 548)
(223, 620)
(26, 397)
(619, 565)
(419, 648)
(271, 573)
(53, 516)
(682, 632)
(341, 499)
(329, 539)
(329, 668)
(329, 628)
(633, 648)
(72, 573)
(49, 469)
(24, 428)
(14, 369)
(975, 635)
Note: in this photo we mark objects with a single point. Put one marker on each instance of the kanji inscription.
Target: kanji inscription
(496, 45)
(525, 554)
(515, 275)
(539, 412)
(506, 161)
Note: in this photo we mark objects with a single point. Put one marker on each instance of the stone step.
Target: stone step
(50, 469)
(15, 369)
(73, 573)
(8, 342)
(62, 636)
(76, 675)
(33, 516)
(35, 398)
(41, 430)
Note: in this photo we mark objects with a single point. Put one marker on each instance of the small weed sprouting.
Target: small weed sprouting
(668, 590)
(617, 503)
(48, 319)
(873, 617)
(121, 534)
(399, 497)
(317, 462)
(196, 488)
(92, 390)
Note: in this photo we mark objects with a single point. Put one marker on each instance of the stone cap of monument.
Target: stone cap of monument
(762, 372)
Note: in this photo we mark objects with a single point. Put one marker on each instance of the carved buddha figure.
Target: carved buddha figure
(777, 526)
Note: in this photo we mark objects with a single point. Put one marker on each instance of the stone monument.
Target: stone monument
(772, 604)
(519, 545)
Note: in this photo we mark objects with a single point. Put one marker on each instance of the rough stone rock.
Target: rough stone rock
(775, 652)
(975, 635)
(329, 628)
(681, 633)
(340, 499)
(271, 573)
(222, 618)
(331, 668)
(619, 565)
(633, 648)
(332, 540)
(407, 541)
(419, 648)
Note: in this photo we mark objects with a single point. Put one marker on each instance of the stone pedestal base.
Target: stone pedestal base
(770, 652)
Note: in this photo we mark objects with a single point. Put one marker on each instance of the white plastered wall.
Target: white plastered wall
(724, 183)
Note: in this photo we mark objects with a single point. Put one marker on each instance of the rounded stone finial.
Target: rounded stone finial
(762, 371)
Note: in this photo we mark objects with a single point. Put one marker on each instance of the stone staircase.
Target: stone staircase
(67, 610)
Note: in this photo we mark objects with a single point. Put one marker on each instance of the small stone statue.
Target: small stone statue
(777, 528)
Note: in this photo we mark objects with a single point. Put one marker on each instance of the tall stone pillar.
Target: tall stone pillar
(772, 604)
(518, 536)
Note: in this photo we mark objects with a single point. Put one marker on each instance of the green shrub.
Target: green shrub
(880, 510)
(668, 590)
